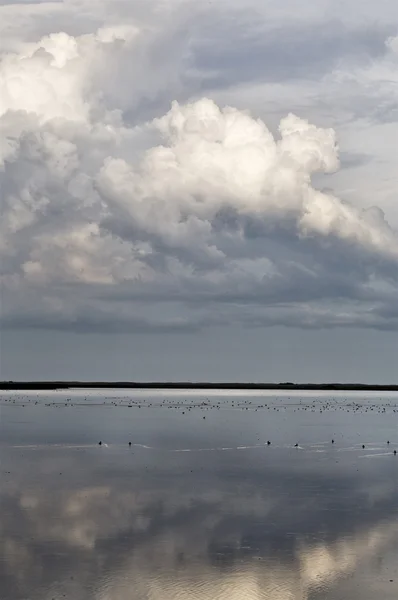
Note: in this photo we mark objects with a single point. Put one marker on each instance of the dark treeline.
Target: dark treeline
(189, 385)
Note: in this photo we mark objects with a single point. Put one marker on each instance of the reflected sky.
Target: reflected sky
(197, 507)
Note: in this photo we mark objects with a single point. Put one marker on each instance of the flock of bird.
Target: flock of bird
(236, 403)
(269, 444)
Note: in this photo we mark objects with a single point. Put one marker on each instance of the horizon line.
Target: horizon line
(286, 385)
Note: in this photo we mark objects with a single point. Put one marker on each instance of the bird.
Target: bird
(99, 443)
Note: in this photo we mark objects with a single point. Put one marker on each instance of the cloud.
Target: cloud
(200, 215)
(254, 51)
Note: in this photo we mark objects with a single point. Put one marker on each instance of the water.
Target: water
(198, 508)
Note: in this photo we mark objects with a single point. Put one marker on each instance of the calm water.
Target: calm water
(198, 508)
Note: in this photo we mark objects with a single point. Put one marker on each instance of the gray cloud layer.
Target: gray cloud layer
(125, 210)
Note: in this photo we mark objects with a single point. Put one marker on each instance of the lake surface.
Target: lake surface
(199, 506)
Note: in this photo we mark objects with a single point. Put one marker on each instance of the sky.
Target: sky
(199, 190)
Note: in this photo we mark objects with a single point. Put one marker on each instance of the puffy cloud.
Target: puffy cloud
(199, 213)
(224, 159)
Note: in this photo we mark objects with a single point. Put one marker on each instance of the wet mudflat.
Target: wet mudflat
(198, 495)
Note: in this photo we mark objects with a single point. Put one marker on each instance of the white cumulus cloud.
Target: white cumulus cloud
(99, 205)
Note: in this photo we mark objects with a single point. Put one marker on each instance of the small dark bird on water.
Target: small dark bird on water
(395, 452)
(268, 443)
(296, 445)
(363, 446)
(129, 443)
(332, 441)
(99, 443)
(388, 442)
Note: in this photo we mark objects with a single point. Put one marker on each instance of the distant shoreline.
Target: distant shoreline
(187, 385)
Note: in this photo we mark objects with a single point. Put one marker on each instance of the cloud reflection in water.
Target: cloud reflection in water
(120, 525)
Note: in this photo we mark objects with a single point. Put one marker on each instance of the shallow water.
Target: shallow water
(198, 507)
